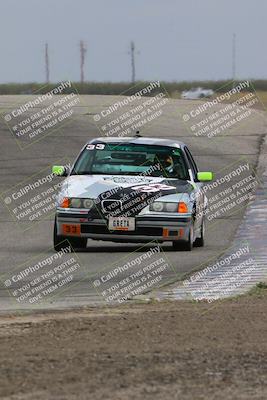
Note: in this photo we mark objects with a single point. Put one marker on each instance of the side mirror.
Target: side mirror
(60, 170)
(205, 176)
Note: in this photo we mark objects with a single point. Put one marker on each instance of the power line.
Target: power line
(132, 52)
(47, 71)
(82, 59)
(234, 57)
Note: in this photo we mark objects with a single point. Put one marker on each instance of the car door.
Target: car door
(198, 193)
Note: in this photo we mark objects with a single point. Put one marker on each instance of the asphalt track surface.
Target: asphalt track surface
(18, 246)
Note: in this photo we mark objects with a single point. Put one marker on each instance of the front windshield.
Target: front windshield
(131, 159)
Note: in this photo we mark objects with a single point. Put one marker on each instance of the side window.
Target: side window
(192, 163)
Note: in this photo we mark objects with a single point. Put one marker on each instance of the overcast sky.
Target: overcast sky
(176, 39)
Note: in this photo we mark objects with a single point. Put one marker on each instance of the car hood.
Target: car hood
(92, 186)
(116, 195)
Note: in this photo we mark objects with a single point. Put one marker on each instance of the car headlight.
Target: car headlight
(88, 203)
(171, 207)
(157, 206)
(75, 202)
(160, 206)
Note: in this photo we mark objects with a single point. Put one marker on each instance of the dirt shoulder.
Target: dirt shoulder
(171, 350)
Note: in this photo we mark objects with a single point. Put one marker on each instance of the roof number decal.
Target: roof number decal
(98, 146)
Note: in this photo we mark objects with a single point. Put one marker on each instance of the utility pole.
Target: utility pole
(133, 61)
(47, 72)
(234, 58)
(82, 59)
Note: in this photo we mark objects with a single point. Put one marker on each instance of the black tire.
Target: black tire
(63, 242)
(185, 245)
(200, 242)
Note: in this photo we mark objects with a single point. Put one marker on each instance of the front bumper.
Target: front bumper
(153, 227)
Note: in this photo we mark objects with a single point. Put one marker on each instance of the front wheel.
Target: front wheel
(200, 241)
(63, 242)
(186, 245)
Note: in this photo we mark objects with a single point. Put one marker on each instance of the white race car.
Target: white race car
(131, 190)
(197, 93)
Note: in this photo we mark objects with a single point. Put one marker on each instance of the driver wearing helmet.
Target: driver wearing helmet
(170, 165)
(166, 162)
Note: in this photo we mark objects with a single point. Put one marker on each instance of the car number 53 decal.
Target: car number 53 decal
(154, 187)
(98, 146)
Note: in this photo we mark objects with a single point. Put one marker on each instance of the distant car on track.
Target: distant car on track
(131, 190)
(197, 93)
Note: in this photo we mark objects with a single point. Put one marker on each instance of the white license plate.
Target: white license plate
(121, 224)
